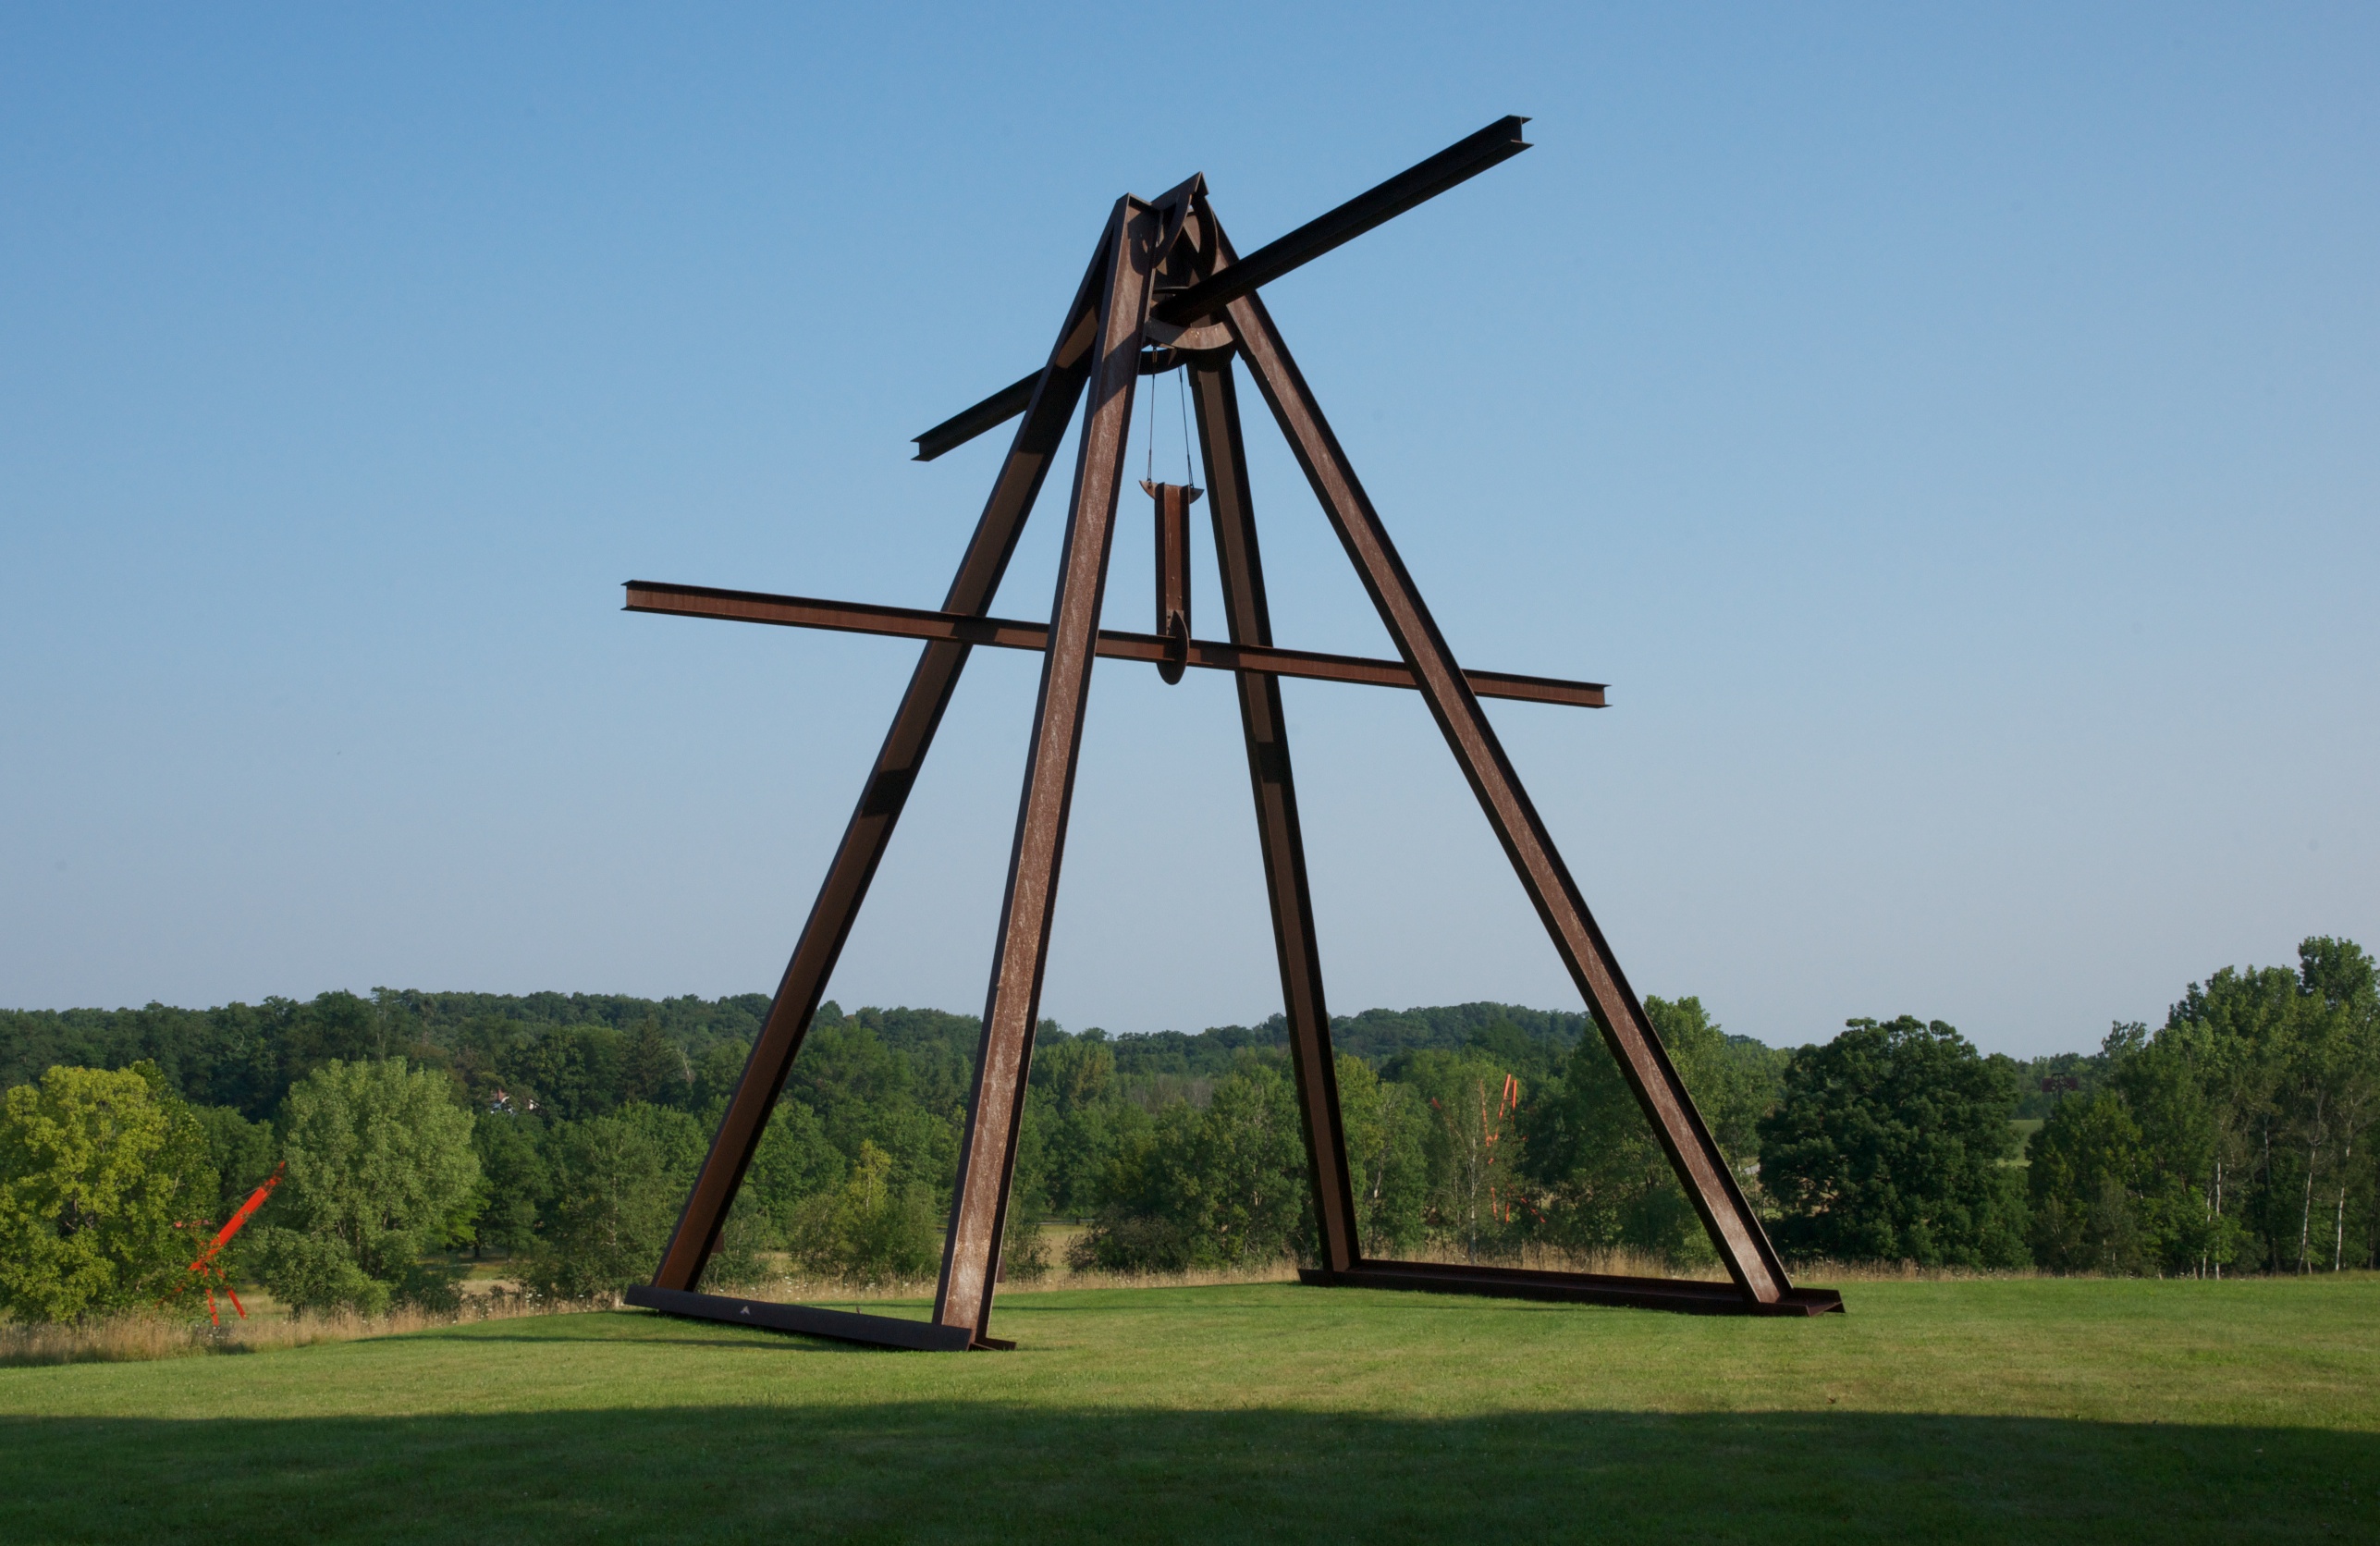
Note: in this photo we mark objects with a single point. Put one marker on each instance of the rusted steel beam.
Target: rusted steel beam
(875, 1330)
(996, 1111)
(1265, 728)
(1172, 503)
(1585, 1288)
(913, 623)
(1743, 1245)
(968, 422)
(1459, 162)
(881, 798)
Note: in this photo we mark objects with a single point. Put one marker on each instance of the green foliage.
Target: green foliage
(246, 1056)
(97, 1170)
(795, 1162)
(873, 1229)
(2239, 1135)
(1602, 1178)
(717, 1071)
(1387, 1127)
(1887, 1146)
(318, 1273)
(1080, 1115)
(380, 1173)
(516, 1182)
(2088, 1163)
(1243, 1177)
(619, 1181)
(1470, 1143)
(240, 1152)
(654, 1071)
(1219, 1187)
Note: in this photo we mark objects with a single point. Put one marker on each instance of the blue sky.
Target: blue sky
(1951, 431)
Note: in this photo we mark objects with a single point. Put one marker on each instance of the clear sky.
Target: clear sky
(1950, 430)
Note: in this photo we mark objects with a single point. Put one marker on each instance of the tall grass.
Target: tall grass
(137, 1337)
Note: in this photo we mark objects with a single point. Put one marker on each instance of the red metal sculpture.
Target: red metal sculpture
(1165, 291)
(210, 1272)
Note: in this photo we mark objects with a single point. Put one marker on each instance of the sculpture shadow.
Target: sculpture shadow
(971, 1470)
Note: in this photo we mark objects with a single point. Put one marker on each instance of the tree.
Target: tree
(515, 1181)
(240, 1152)
(873, 1229)
(97, 1170)
(1070, 1118)
(1225, 1186)
(380, 1171)
(1388, 1170)
(1248, 1160)
(2337, 1084)
(717, 1071)
(1147, 1219)
(1471, 1142)
(793, 1164)
(619, 1180)
(1603, 1178)
(2089, 1164)
(570, 1071)
(653, 1069)
(2275, 1066)
(1887, 1146)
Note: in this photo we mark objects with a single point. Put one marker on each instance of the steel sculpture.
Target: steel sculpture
(1165, 291)
(210, 1274)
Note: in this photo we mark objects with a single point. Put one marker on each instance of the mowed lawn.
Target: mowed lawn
(2021, 1410)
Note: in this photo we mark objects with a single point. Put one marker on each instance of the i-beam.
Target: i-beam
(1164, 292)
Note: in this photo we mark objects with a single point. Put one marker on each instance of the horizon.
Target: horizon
(897, 1006)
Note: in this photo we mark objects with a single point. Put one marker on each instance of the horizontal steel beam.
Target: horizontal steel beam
(1585, 1288)
(1457, 163)
(910, 622)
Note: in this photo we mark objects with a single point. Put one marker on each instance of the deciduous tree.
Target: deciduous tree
(97, 1170)
(1887, 1146)
(380, 1173)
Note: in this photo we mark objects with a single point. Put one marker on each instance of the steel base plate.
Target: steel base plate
(1588, 1288)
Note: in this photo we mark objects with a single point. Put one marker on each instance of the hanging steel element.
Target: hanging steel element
(1165, 291)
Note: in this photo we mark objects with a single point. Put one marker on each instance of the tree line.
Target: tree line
(415, 1131)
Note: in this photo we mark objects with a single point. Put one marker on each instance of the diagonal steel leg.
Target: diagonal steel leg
(987, 1157)
(1242, 572)
(1735, 1229)
(865, 839)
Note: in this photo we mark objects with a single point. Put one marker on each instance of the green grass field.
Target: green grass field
(2018, 1410)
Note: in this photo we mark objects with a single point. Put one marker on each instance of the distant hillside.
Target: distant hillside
(245, 1055)
(1375, 1035)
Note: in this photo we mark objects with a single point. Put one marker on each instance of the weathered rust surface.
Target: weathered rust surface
(1173, 535)
(914, 622)
(875, 1331)
(1265, 728)
(1191, 303)
(1735, 1228)
(987, 1152)
(1692, 1297)
(886, 792)
(1418, 184)
(1164, 271)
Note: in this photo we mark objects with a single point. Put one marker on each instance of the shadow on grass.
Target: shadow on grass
(724, 1344)
(969, 1470)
